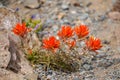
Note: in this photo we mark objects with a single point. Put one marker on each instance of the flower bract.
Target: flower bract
(51, 43)
(81, 31)
(65, 32)
(20, 29)
(93, 43)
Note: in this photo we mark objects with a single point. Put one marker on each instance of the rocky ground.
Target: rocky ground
(101, 20)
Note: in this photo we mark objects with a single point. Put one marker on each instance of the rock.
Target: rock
(31, 77)
(55, 28)
(49, 21)
(77, 4)
(8, 75)
(118, 48)
(76, 78)
(12, 58)
(87, 66)
(106, 42)
(116, 6)
(113, 1)
(66, 21)
(4, 59)
(61, 15)
(102, 18)
(31, 4)
(8, 19)
(73, 12)
(114, 15)
(104, 63)
(5, 54)
(101, 54)
(117, 30)
(1, 5)
(4, 2)
(89, 4)
(89, 76)
(83, 16)
(65, 6)
(15, 52)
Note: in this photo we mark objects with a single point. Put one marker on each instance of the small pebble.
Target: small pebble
(83, 16)
(1, 5)
(76, 78)
(102, 18)
(87, 66)
(65, 6)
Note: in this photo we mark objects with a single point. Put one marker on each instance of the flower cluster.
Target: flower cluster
(20, 29)
(65, 32)
(66, 44)
(51, 43)
(93, 43)
(81, 31)
(66, 35)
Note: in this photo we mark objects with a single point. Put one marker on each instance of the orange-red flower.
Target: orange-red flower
(81, 31)
(30, 51)
(65, 32)
(20, 29)
(71, 43)
(93, 43)
(51, 43)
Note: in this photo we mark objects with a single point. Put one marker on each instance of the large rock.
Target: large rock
(116, 6)
(13, 64)
(32, 4)
(8, 19)
(4, 53)
(115, 15)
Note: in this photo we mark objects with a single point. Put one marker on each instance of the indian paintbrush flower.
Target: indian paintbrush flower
(71, 43)
(65, 32)
(20, 29)
(51, 43)
(81, 31)
(93, 43)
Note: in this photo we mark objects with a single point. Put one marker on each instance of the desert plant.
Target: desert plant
(61, 52)
(61, 61)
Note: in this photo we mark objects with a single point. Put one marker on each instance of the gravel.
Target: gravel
(84, 16)
(80, 12)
